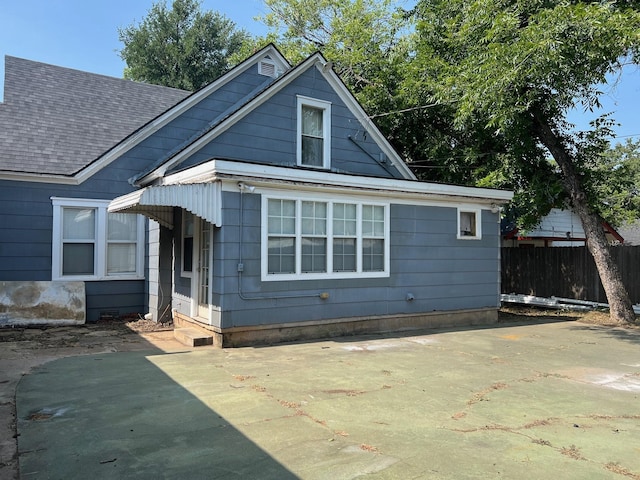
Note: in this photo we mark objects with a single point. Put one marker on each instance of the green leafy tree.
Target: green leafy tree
(616, 179)
(180, 47)
(512, 69)
(370, 43)
(477, 91)
(358, 36)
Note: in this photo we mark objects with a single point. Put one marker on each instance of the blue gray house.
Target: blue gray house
(276, 210)
(58, 171)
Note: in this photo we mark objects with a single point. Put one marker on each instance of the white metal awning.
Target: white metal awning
(157, 202)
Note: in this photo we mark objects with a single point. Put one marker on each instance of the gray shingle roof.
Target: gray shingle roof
(57, 120)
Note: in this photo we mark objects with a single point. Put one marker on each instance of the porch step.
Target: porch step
(192, 337)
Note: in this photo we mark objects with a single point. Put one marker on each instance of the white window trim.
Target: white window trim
(326, 130)
(329, 274)
(478, 217)
(101, 243)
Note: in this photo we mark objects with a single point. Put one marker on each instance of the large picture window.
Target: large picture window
(314, 133)
(318, 238)
(91, 244)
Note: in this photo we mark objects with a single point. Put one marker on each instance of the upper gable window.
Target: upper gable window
(314, 133)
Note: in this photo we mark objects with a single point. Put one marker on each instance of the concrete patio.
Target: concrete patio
(555, 400)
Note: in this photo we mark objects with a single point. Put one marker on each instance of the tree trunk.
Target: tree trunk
(620, 307)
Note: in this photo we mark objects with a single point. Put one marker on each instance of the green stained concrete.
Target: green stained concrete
(534, 401)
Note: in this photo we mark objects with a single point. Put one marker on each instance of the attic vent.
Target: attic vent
(267, 68)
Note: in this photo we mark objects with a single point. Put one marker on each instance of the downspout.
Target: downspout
(498, 209)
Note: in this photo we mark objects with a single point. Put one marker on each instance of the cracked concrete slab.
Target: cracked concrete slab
(534, 401)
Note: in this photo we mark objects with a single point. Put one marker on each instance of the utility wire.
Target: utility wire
(628, 136)
(410, 109)
(431, 105)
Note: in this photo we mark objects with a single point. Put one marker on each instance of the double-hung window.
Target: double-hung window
(345, 237)
(373, 238)
(314, 133)
(90, 243)
(311, 238)
(281, 236)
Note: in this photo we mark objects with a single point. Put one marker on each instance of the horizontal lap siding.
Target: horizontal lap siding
(345, 156)
(26, 219)
(26, 216)
(172, 137)
(25, 244)
(427, 261)
(268, 133)
(443, 272)
(122, 297)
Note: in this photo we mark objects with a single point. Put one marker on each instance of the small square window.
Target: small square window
(469, 224)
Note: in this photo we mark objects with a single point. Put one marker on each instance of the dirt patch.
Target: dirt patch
(47, 336)
(516, 313)
(615, 468)
(572, 452)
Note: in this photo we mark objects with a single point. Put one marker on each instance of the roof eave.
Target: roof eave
(268, 175)
(38, 178)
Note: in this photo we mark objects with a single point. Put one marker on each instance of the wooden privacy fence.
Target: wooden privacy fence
(566, 272)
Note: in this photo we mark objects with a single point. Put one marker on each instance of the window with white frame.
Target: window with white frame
(314, 133)
(90, 243)
(373, 240)
(309, 238)
(345, 237)
(469, 224)
(281, 236)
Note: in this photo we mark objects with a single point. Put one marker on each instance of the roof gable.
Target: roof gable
(269, 52)
(317, 62)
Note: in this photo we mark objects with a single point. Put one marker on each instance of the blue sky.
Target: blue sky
(83, 34)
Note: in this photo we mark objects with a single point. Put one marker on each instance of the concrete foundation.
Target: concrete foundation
(297, 331)
(42, 303)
